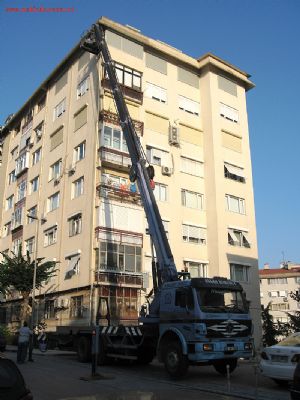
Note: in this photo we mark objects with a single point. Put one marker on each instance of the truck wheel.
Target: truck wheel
(175, 362)
(220, 366)
(84, 349)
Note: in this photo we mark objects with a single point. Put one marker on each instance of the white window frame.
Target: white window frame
(9, 202)
(156, 92)
(50, 236)
(12, 177)
(79, 152)
(34, 184)
(111, 132)
(53, 202)
(238, 237)
(229, 113)
(192, 167)
(160, 192)
(188, 198)
(128, 77)
(83, 87)
(16, 244)
(33, 212)
(55, 170)
(240, 202)
(201, 266)
(193, 234)
(78, 187)
(59, 109)
(36, 156)
(75, 225)
(188, 105)
(30, 245)
(21, 190)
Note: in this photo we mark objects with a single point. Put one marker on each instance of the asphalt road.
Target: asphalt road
(58, 376)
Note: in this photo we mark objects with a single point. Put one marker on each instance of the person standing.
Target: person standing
(23, 342)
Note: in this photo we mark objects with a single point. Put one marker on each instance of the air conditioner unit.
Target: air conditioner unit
(39, 134)
(173, 135)
(166, 170)
(71, 169)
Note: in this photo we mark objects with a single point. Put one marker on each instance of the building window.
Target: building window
(12, 177)
(29, 245)
(14, 152)
(238, 237)
(191, 199)
(165, 224)
(39, 131)
(50, 236)
(80, 118)
(22, 162)
(114, 138)
(196, 269)
(36, 156)
(82, 87)
(119, 257)
(227, 85)
(33, 212)
(59, 109)
(239, 273)
(34, 184)
(76, 307)
(192, 167)
(155, 92)
(277, 281)
(160, 192)
(10, 202)
(235, 204)
(128, 76)
(229, 113)
(16, 244)
(17, 218)
(188, 105)
(297, 279)
(49, 309)
(55, 170)
(233, 172)
(156, 156)
(21, 190)
(7, 229)
(193, 234)
(279, 293)
(79, 152)
(41, 103)
(56, 138)
(53, 202)
(75, 225)
(77, 187)
(279, 307)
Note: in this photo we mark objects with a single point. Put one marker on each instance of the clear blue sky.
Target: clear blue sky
(259, 36)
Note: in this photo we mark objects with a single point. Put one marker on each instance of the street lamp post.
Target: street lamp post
(34, 282)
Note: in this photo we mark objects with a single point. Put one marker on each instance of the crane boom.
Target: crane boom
(94, 42)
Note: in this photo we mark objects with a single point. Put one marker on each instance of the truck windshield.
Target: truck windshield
(221, 300)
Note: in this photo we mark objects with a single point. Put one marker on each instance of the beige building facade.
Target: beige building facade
(65, 161)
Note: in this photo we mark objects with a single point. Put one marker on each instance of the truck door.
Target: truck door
(184, 309)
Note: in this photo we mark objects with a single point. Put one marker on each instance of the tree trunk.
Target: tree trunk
(25, 311)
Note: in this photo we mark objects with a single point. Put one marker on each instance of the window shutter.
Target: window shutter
(156, 63)
(187, 77)
(227, 85)
(80, 118)
(56, 138)
(61, 83)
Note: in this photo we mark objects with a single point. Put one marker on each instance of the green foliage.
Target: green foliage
(5, 331)
(294, 324)
(270, 331)
(17, 272)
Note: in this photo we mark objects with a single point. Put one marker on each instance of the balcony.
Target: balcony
(112, 189)
(128, 92)
(112, 118)
(119, 279)
(111, 157)
(22, 164)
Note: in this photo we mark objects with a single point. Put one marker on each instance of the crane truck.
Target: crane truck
(188, 321)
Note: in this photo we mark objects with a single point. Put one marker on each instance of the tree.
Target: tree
(294, 323)
(16, 273)
(268, 326)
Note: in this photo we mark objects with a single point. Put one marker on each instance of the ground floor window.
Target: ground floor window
(76, 307)
(124, 302)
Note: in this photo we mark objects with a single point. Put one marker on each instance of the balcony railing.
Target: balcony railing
(127, 91)
(115, 157)
(115, 191)
(119, 279)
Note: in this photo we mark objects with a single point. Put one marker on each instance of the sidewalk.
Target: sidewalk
(37, 352)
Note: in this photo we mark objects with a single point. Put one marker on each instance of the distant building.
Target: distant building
(275, 286)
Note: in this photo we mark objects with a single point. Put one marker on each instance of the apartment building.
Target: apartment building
(275, 286)
(66, 163)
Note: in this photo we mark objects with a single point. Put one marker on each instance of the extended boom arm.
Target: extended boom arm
(95, 43)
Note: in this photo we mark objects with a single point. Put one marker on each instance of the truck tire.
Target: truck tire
(176, 363)
(220, 366)
(84, 349)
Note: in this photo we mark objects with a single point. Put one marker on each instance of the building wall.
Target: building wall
(205, 137)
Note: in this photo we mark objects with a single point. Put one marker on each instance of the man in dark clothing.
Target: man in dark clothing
(23, 342)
